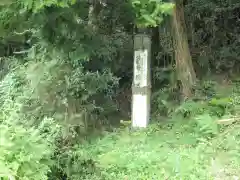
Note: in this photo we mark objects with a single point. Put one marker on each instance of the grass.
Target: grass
(175, 151)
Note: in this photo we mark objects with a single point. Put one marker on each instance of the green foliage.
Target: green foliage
(61, 60)
(213, 32)
(174, 150)
(210, 97)
(26, 152)
(70, 82)
(151, 12)
(210, 103)
(207, 125)
(37, 5)
(163, 103)
(27, 146)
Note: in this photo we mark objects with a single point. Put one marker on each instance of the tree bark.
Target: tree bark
(184, 67)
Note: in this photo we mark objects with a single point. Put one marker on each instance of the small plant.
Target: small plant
(190, 109)
(206, 125)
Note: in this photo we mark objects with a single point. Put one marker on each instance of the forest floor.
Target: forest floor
(174, 151)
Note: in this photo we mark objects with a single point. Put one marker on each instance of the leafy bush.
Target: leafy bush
(164, 102)
(74, 163)
(26, 153)
(210, 97)
(68, 94)
(206, 125)
(211, 102)
(27, 142)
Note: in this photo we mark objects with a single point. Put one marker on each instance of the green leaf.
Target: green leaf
(166, 8)
(136, 2)
(156, 11)
(149, 19)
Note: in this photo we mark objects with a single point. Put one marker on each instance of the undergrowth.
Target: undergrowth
(26, 153)
(174, 150)
(190, 144)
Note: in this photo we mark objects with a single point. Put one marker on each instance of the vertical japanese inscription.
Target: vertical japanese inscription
(140, 68)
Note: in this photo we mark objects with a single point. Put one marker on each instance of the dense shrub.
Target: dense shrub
(26, 153)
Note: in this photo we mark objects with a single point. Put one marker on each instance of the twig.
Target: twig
(228, 121)
(21, 33)
(21, 52)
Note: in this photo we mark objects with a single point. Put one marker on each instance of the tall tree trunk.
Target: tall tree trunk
(184, 66)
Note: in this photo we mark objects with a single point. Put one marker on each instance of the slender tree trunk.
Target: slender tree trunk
(184, 66)
(93, 11)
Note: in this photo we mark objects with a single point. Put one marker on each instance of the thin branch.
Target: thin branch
(228, 121)
(22, 33)
(21, 52)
